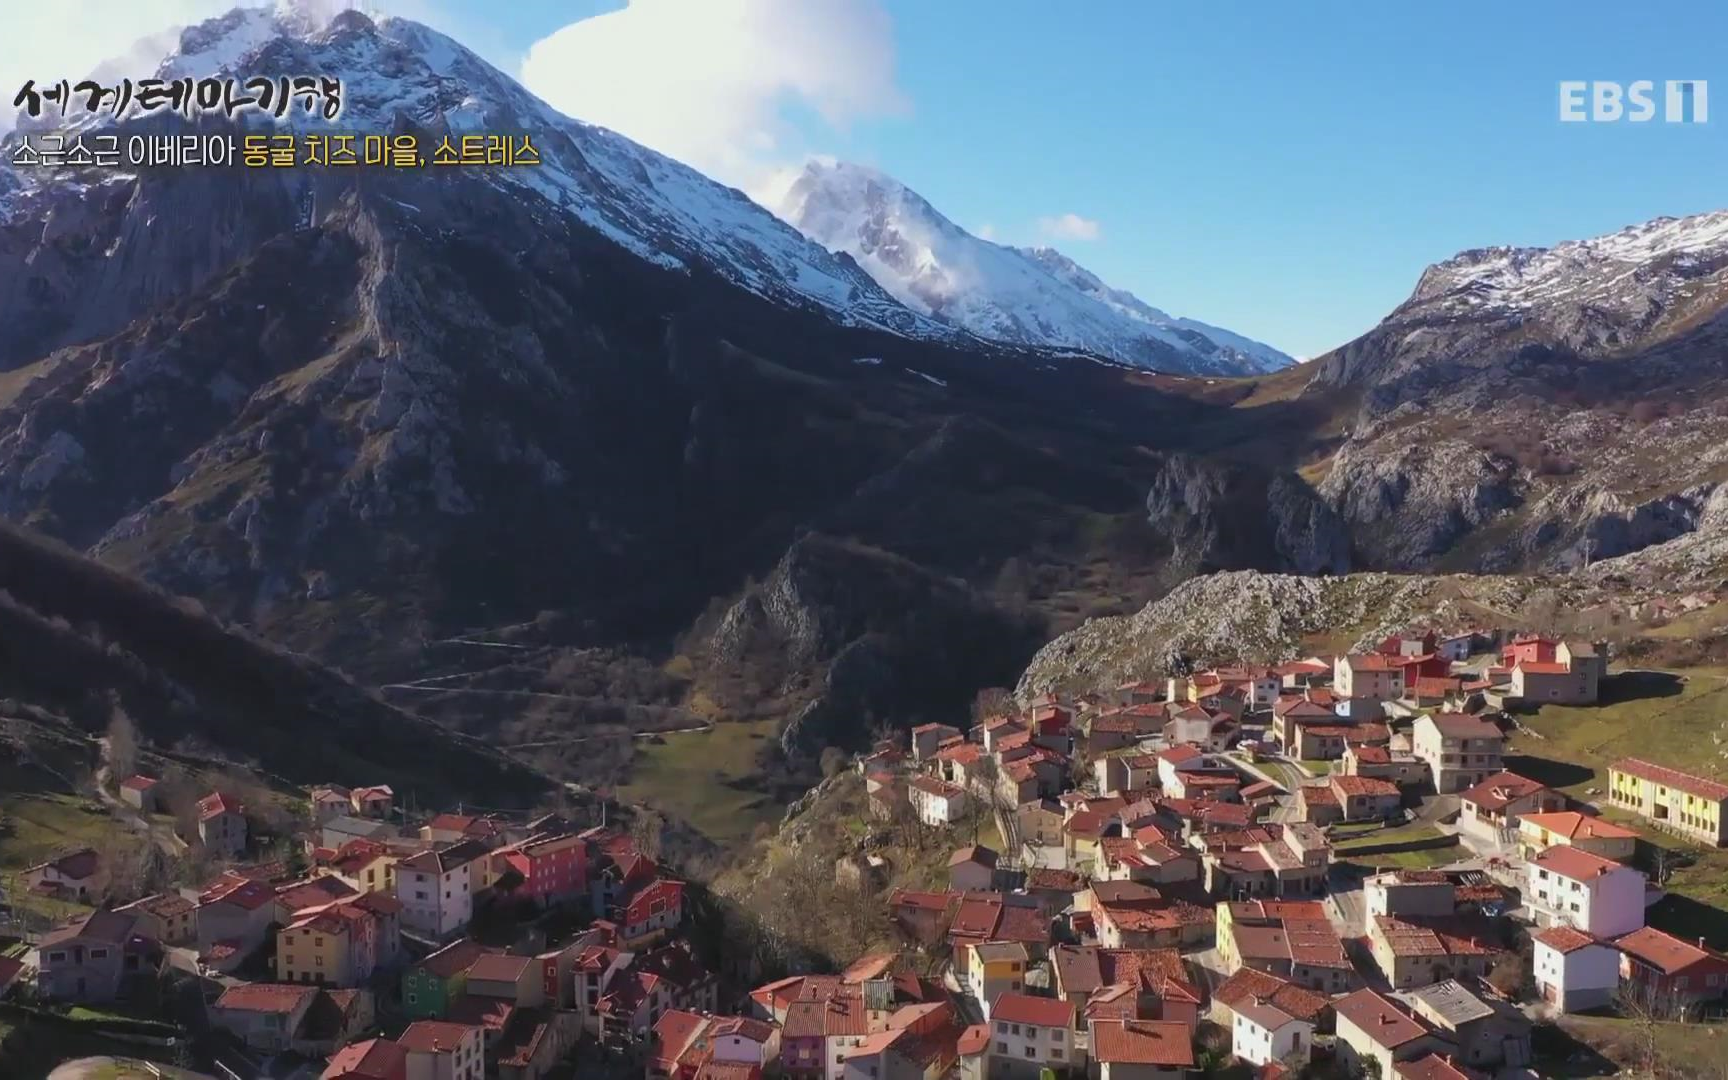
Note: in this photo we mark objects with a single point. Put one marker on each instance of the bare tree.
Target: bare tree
(645, 830)
(122, 745)
(1649, 1006)
(993, 701)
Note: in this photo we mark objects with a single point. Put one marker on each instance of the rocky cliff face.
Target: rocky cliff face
(867, 639)
(1538, 407)
(1228, 515)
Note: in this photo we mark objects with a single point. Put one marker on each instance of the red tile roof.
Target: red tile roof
(935, 788)
(1535, 667)
(138, 782)
(1143, 1042)
(433, 1036)
(1664, 952)
(1247, 983)
(1713, 790)
(217, 804)
(1503, 788)
(1371, 662)
(499, 967)
(1432, 1067)
(1364, 785)
(1575, 826)
(372, 1059)
(974, 1040)
(1379, 1019)
(265, 997)
(1025, 1009)
(1575, 863)
(1565, 939)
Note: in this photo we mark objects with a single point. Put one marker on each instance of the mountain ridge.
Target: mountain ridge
(1027, 296)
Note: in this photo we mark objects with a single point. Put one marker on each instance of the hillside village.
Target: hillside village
(1320, 868)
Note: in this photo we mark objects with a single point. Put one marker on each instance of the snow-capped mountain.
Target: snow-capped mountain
(1026, 296)
(394, 69)
(1645, 266)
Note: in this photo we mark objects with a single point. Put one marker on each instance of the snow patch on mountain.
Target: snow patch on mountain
(397, 71)
(1024, 296)
(1652, 261)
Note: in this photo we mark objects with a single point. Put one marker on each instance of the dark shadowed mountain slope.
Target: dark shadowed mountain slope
(78, 639)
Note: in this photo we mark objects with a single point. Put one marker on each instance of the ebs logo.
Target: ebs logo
(1685, 101)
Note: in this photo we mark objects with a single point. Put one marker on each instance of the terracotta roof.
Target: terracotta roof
(940, 789)
(1379, 1019)
(1713, 790)
(138, 782)
(974, 1040)
(498, 967)
(1370, 662)
(1536, 667)
(217, 804)
(1025, 1009)
(1664, 952)
(983, 856)
(433, 1036)
(1575, 826)
(1575, 863)
(1364, 785)
(1143, 1042)
(1298, 1002)
(746, 1027)
(1503, 788)
(964, 753)
(838, 1014)
(1565, 939)
(1370, 755)
(674, 1032)
(374, 1059)
(265, 997)
(1432, 1067)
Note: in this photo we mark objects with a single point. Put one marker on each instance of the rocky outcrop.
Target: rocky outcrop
(1227, 515)
(1406, 504)
(876, 638)
(1250, 617)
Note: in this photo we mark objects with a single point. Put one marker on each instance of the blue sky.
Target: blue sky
(1282, 170)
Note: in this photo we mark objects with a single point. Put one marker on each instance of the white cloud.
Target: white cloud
(125, 39)
(709, 81)
(986, 231)
(50, 42)
(1069, 227)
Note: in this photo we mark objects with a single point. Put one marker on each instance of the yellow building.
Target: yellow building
(1687, 804)
(367, 869)
(335, 945)
(995, 968)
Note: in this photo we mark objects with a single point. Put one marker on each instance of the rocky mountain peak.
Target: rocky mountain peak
(1024, 296)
